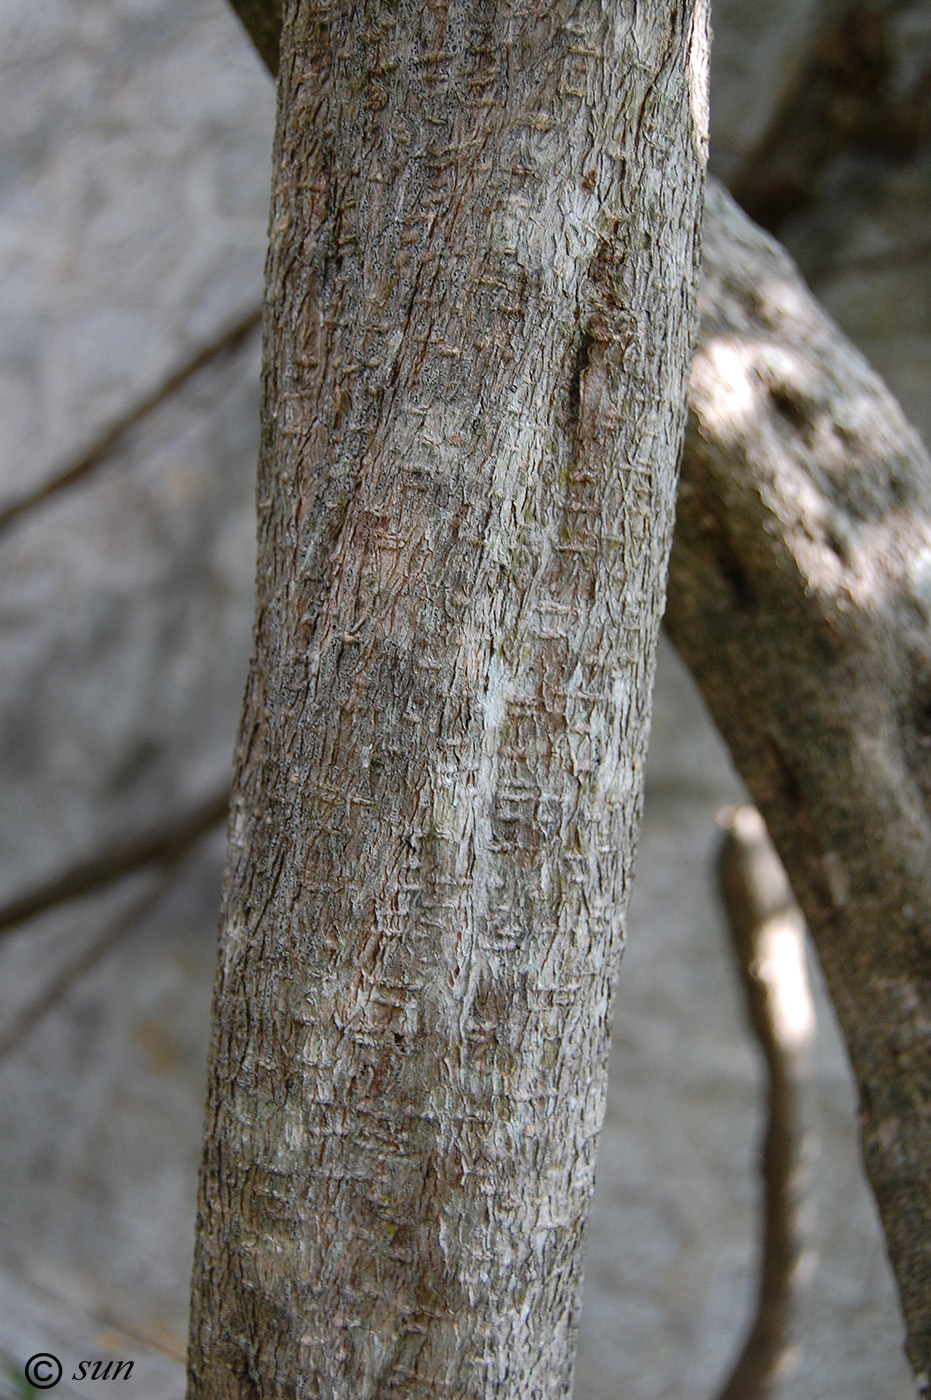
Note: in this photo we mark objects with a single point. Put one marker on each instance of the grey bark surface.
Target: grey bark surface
(800, 598)
(480, 282)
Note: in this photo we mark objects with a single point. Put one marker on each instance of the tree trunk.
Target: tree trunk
(731, 467)
(480, 287)
(800, 598)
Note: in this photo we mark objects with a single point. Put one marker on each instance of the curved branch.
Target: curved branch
(157, 846)
(227, 341)
(800, 599)
(261, 20)
(768, 937)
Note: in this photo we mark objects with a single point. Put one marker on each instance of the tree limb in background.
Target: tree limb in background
(262, 22)
(768, 936)
(126, 922)
(800, 599)
(157, 846)
(846, 97)
(226, 342)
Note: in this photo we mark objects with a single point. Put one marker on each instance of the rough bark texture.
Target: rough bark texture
(800, 597)
(483, 253)
(740, 264)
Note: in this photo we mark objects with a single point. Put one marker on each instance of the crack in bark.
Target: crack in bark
(580, 364)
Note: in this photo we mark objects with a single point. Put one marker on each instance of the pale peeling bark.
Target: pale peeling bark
(800, 598)
(480, 285)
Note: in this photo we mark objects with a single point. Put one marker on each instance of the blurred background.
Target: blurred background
(135, 140)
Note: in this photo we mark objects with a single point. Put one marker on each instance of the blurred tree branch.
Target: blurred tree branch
(262, 22)
(800, 597)
(162, 844)
(72, 473)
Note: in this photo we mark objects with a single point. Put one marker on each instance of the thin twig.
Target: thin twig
(14, 1034)
(767, 934)
(227, 341)
(160, 844)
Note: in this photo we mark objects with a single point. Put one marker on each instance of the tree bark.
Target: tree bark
(800, 599)
(711, 616)
(480, 313)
